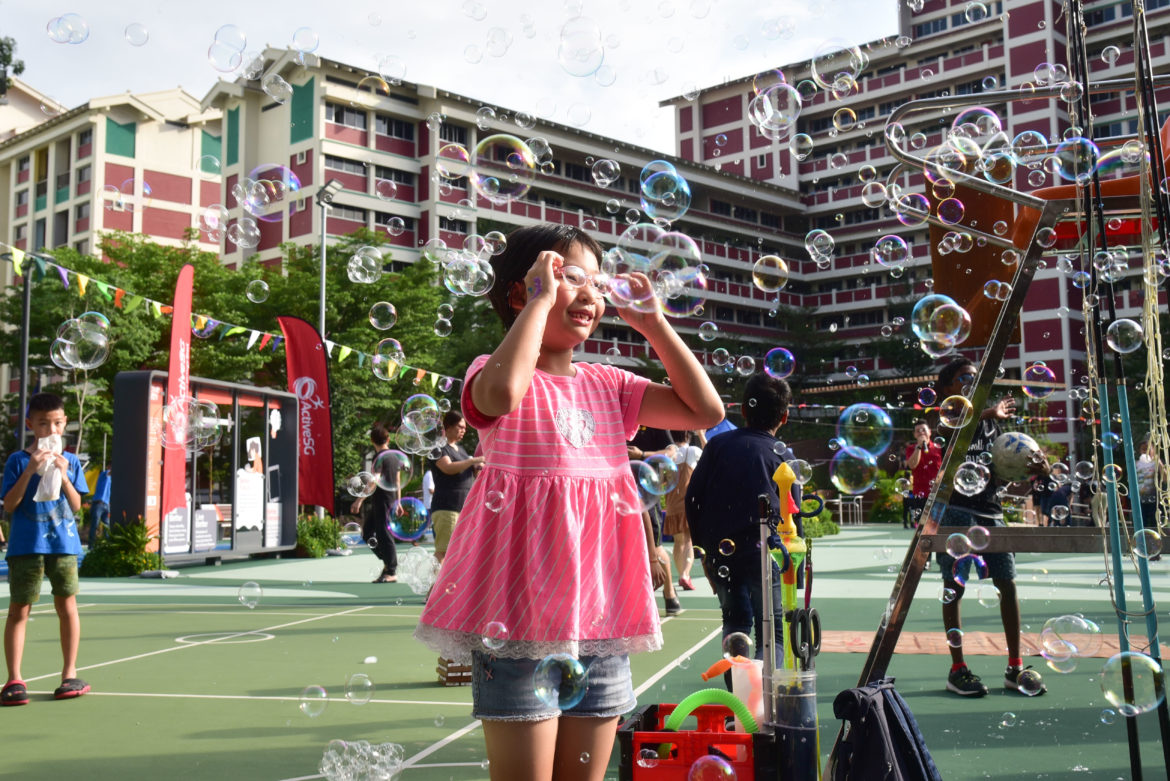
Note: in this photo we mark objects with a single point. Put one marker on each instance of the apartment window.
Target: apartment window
(22, 198)
(301, 157)
(85, 137)
(578, 172)
(865, 113)
(394, 175)
(770, 220)
(21, 232)
(457, 226)
(82, 247)
(819, 125)
(341, 164)
(761, 161)
(81, 212)
(84, 173)
(348, 213)
(725, 313)
(345, 116)
(396, 128)
(746, 214)
(1102, 15)
(720, 207)
(929, 28)
(453, 134)
(24, 164)
(748, 317)
(382, 218)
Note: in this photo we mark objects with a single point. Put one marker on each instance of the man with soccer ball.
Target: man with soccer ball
(983, 508)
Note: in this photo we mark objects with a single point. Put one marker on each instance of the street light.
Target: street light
(324, 199)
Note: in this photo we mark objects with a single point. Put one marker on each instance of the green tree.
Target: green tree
(8, 61)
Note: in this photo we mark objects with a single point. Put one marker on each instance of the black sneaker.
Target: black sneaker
(965, 683)
(673, 607)
(1011, 681)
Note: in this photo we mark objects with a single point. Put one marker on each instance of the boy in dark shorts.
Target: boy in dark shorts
(981, 509)
(43, 539)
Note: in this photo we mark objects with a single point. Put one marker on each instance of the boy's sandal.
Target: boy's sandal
(14, 693)
(70, 688)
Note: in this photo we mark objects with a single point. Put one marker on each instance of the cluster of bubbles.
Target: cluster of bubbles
(364, 266)
(82, 342)
(226, 52)
(665, 194)
(466, 271)
(264, 191)
(940, 324)
(864, 433)
(671, 261)
(130, 195)
(189, 423)
(418, 568)
(68, 28)
(214, 221)
(359, 760)
(1065, 639)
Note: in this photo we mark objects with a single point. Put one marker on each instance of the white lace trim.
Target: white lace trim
(458, 646)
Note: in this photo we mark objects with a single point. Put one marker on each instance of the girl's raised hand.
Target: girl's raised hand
(543, 278)
(643, 310)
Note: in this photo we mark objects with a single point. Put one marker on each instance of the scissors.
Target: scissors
(805, 630)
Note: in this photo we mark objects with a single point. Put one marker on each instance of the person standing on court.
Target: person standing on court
(923, 459)
(41, 492)
(454, 472)
(99, 506)
(980, 509)
(383, 502)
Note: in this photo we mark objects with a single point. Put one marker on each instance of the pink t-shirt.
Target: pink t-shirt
(550, 544)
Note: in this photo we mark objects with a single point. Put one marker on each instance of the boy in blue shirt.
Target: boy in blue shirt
(43, 539)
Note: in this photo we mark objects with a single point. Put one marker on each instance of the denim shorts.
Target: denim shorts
(1000, 566)
(502, 689)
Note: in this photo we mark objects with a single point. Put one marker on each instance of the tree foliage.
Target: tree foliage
(139, 338)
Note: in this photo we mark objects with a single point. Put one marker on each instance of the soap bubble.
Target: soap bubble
(249, 594)
(779, 363)
(390, 350)
(417, 568)
(383, 315)
(408, 520)
(81, 343)
(955, 637)
(971, 478)
(1037, 373)
(502, 168)
(1147, 683)
(1030, 683)
(738, 644)
(606, 172)
(665, 195)
(961, 570)
(359, 689)
(710, 767)
(495, 634)
(988, 596)
(420, 414)
(866, 426)
(979, 536)
(801, 469)
(1147, 543)
(314, 700)
(853, 470)
(1125, 336)
(361, 485)
(364, 266)
(770, 273)
(955, 411)
(560, 681)
(926, 396)
(657, 474)
(708, 331)
(392, 470)
(958, 545)
(581, 50)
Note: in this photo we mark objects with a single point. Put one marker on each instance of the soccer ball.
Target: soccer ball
(1011, 453)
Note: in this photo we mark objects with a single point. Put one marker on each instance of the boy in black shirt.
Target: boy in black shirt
(724, 515)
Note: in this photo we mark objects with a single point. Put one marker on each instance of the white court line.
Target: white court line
(174, 695)
(47, 610)
(201, 642)
(653, 679)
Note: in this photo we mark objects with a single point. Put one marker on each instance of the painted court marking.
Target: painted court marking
(255, 697)
(201, 642)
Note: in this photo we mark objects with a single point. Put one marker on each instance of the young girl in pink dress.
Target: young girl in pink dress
(550, 556)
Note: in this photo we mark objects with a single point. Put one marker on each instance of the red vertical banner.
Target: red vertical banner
(173, 507)
(308, 380)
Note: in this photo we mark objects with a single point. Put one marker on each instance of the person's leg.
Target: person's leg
(14, 629)
(583, 747)
(70, 624)
(668, 591)
(521, 750)
(443, 523)
(756, 593)
(684, 555)
(953, 620)
(1009, 613)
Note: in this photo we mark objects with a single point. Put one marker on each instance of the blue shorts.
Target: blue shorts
(1000, 566)
(502, 689)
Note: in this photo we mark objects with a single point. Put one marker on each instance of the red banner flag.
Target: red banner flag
(308, 380)
(174, 485)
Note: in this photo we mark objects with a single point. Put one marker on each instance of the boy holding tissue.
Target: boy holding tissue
(41, 491)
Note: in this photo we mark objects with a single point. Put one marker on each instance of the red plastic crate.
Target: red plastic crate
(644, 730)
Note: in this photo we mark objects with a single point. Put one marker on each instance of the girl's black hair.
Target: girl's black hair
(524, 244)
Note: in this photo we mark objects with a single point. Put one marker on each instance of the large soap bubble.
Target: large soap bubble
(1146, 683)
(853, 470)
(502, 168)
(560, 681)
(866, 426)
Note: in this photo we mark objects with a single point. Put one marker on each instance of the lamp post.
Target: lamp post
(324, 199)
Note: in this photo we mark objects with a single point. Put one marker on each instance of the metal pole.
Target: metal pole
(321, 292)
(21, 412)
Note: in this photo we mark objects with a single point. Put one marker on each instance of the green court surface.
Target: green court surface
(189, 683)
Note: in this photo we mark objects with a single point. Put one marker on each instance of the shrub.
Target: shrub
(887, 504)
(316, 535)
(121, 553)
(820, 526)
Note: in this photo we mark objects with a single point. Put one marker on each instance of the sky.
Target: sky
(505, 53)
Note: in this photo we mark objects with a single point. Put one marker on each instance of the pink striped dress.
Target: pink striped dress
(550, 543)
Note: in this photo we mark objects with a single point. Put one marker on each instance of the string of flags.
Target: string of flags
(205, 326)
